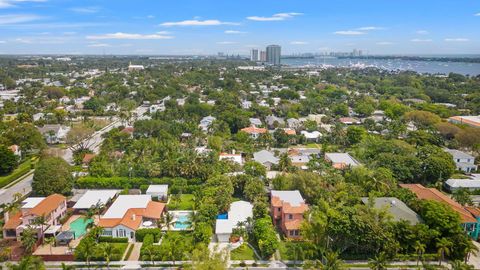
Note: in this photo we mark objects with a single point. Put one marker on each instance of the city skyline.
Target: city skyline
(206, 27)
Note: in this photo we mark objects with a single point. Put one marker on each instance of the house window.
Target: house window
(290, 216)
(290, 233)
(107, 233)
(295, 232)
(121, 233)
(279, 209)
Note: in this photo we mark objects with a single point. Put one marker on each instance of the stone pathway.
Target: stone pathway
(135, 255)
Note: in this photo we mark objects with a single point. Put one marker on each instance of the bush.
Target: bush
(265, 237)
(110, 239)
(142, 233)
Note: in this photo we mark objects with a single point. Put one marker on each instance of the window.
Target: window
(290, 216)
(279, 209)
(107, 233)
(121, 233)
(296, 233)
(290, 233)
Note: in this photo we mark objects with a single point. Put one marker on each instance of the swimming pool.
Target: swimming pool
(79, 226)
(182, 222)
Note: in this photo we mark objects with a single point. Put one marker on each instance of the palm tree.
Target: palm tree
(151, 253)
(419, 250)
(331, 261)
(97, 208)
(469, 249)
(107, 250)
(50, 241)
(298, 254)
(41, 221)
(89, 214)
(443, 248)
(67, 267)
(379, 262)
(28, 239)
(167, 220)
(87, 249)
(459, 265)
(28, 262)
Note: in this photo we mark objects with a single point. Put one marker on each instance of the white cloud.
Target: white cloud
(234, 32)
(12, 3)
(121, 35)
(150, 17)
(99, 45)
(422, 32)
(226, 42)
(349, 33)
(478, 14)
(421, 40)
(12, 19)
(385, 43)
(299, 43)
(457, 39)
(370, 28)
(197, 23)
(274, 17)
(2, 42)
(85, 10)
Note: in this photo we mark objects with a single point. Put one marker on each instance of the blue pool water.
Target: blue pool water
(223, 216)
(181, 222)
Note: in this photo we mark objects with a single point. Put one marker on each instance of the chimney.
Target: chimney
(6, 216)
(133, 217)
(233, 152)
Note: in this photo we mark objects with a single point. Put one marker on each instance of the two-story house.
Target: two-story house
(54, 134)
(463, 161)
(287, 209)
(52, 208)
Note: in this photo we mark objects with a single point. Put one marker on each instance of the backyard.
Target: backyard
(182, 202)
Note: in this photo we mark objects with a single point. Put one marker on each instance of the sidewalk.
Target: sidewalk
(135, 255)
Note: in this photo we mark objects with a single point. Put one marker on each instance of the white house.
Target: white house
(93, 197)
(206, 122)
(54, 133)
(159, 192)
(129, 213)
(463, 161)
(311, 136)
(239, 211)
(455, 184)
(341, 160)
(237, 158)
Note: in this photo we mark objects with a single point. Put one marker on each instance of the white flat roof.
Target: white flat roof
(92, 197)
(239, 212)
(157, 189)
(342, 158)
(291, 196)
(124, 202)
(463, 183)
(31, 202)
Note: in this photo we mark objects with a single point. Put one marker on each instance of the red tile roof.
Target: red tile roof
(133, 217)
(48, 205)
(14, 221)
(254, 130)
(424, 193)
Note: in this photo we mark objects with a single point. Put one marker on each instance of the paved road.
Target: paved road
(24, 187)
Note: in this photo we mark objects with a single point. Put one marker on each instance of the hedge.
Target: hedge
(175, 184)
(110, 239)
(20, 171)
(142, 233)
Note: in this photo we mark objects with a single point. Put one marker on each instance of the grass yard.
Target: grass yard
(243, 253)
(21, 170)
(185, 202)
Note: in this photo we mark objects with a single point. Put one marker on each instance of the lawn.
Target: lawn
(21, 170)
(185, 202)
(287, 249)
(243, 253)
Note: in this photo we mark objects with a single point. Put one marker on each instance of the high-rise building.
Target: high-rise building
(274, 52)
(263, 56)
(254, 55)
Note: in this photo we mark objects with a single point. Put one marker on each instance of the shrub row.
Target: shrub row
(110, 239)
(175, 184)
(141, 234)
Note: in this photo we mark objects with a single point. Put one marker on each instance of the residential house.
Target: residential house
(316, 117)
(53, 208)
(239, 212)
(255, 122)
(349, 121)
(397, 209)
(206, 122)
(294, 123)
(92, 198)
(254, 132)
(274, 122)
(313, 136)
(463, 161)
(470, 219)
(471, 120)
(341, 160)
(471, 183)
(129, 213)
(54, 134)
(158, 192)
(287, 208)
(246, 104)
(266, 158)
(236, 158)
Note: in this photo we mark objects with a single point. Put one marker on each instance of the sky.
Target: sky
(202, 27)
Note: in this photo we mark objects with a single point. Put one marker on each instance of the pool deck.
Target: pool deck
(175, 217)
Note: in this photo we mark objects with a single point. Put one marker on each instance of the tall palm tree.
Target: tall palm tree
(469, 249)
(443, 248)
(50, 241)
(42, 222)
(167, 220)
(89, 214)
(419, 250)
(87, 250)
(379, 262)
(151, 253)
(107, 250)
(28, 239)
(97, 208)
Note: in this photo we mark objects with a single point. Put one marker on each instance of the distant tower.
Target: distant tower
(254, 55)
(274, 52)
(263, 56)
